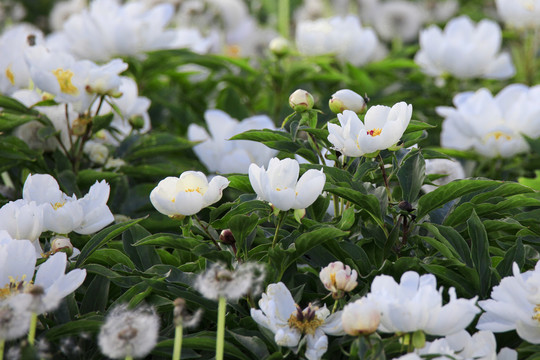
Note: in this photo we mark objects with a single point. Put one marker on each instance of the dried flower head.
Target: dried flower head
(14, 317)
(129, 332)
(217, 281)
(182, 317)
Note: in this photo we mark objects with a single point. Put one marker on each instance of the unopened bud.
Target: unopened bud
(301, 100)
(346, 99)
(279, 46)
(62, 244)
(136, 122)
(405, 205)
(227, 237)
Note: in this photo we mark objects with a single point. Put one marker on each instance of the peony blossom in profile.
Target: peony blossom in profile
(492, 125)
(519, 14)
(338, 278)
(343, 37)
(188, 194)
(514, 305)
(280, 186)
(361, 317)
(382, 128)
(415, 303)
(346, 99)
(449, 169)
(221, 155)
(22, 220)
(464, 50)
(279, 313)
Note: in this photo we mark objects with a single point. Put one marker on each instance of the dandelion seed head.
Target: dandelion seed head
(129, 332)
(14, 317)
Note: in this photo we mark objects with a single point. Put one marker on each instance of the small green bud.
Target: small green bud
(301, 100)
(136, 122)
(279, 46)
(62, 244)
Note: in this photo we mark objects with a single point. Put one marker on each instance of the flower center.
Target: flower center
(498, 134)
(305, 321)
(10, 76)
(15, 287)
(536, 315)
(197, 189)
(374, 132)
(279, 189)
(58, 205)
(64, 80)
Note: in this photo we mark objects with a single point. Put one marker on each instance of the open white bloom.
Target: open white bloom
(452, 169)
(76, 82)
(22, 220)
(462, 346)
(63, 214)
(62, 10)
(465, 50)
(188, 194)
(17, 266)
(514, 305)
(338, 278)
(280, 186)
(128, 332)
(416, 304)
(221, 155)
(519, 13)
(346, 99)
(14, 42)
(382, 128)
(109, 28)
(289, 322)
(218, 282)
(399, 19)
(344, 37)
(492, 126)
(361, 317)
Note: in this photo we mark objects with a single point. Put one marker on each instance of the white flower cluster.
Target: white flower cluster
(44, 207)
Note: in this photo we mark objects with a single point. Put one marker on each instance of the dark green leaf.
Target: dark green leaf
(411, 176)
(480, 252)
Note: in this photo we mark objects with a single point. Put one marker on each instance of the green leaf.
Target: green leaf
(155, 144)
(11, 104)
(368, 203)
(451, 239)
(308, 240)
(72, 328)
(102, 238)
(411, 176)
(100, 122)
(465, 283)
(515, 254)
(110, 257)
(173, 241)
(450, 191)
(263, 136)
(242, 226)
(240, 182)
(415, 125)
(97, 295)
(206, 341)
(480, 252)
(144, 257)
(10, 121)
(243, 208)
(88, 177)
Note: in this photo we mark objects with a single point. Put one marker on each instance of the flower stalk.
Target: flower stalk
(178, 332)
(278, 226)
(2, 345)
(32, 330)
(220, 341)
(283, 18)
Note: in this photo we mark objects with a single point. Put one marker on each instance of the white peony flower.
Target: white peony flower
(492, 126)
(452, 169)
(63, 214)
(225, 156)
(346, 99)
(344, 37)
(187, 194)
(519, 13)
(76, 82)
(514, 305)
(399, 19)
(361, 317)
(381, 129)
(129, 333)
(280, 185)
(22, 220)
(62, 10)
(14, 72)
(416, 304)
(289, 322)
(338, 278)
(17, 266)
(464, 50)
(109, 28)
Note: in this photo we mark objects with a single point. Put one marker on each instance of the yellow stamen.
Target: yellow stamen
(498, 134)
(233, 51)
(305, 321)
(15, 286)
(374, 132)
(333, 278)
(536, 315)
(64, 80)
(58, 205)
(10, 76)
(197, 189)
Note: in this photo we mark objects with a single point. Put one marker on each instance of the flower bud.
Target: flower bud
(279, 46)
(227, 237)
(136, 122)
(338, 278)
(361, 317)
(62, 244)
(405, 205)
(97, 152)
(346, 99)
(301, 100)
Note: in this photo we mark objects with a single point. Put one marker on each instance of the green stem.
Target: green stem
(2, 345)
(32, 330)
(278, 226)
(385, 178)
(283, 18)
(220, 341)
(335, 306)
(205, 229)
(129, 357)
(177, 342)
